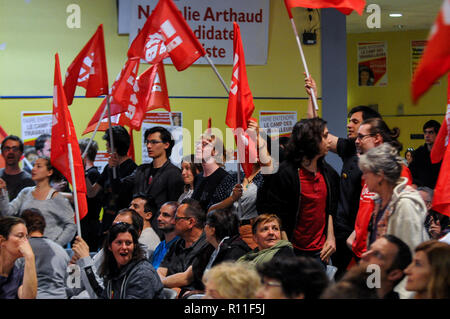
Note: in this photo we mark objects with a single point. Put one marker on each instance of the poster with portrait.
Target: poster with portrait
(372, 63)
(174, 125)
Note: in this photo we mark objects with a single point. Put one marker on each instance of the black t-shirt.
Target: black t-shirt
(94, 203)
(424, 173)
(116, 201)
(15, 183)
(205, 187)
(350, 188)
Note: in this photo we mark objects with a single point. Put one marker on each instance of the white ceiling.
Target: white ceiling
(417, 15)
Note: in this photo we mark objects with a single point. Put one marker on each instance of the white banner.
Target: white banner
(277, 123)
(35, 124)
(212, 23)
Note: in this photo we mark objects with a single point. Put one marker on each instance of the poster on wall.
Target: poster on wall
(372, 64)
(417, 48)
(277, 123)
(153, 119)
(212, 23)
(34, 124)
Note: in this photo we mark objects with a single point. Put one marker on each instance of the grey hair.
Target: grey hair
(427, 190)
(383, 158)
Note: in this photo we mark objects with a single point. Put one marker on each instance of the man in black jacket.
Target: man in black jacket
(305, 191)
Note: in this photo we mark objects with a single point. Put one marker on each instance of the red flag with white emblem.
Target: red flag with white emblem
(64, 139)
(240, 106)
(435, 61)
(180, 43)
(88, 69)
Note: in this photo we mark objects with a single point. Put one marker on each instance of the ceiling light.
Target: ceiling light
(395, 15)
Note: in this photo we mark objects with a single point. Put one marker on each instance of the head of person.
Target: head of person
(291, 278)
(189, 216)
(308, 140)
(130, 216)
(430, 131)
(121, 140)
(13, 232)
(144, 205)
(43, 170)
(12, 150)
(409, 155)
(356, 116)
(353, 285)
(231, 280)
(210, 149)
(266, 230)
(121, 247)
(221, 223)
(43, 145)
(392, 255)
(166, 217)
(159, 142)
(34, 220)
(92, 151)
(427, 195)
(374, 132)
(428, 274)
(189, 169)
(381, 167)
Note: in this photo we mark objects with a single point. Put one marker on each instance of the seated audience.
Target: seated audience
(230, 280)
(428, 274)
(16, 283)
(291, 278)
(267, 236)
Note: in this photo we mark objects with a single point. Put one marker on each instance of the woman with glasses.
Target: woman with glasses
(16, 283)
(56, 209)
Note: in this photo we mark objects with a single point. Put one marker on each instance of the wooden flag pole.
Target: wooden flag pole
(74, 186)
(111, 138)
(304, 61)
(217, 73)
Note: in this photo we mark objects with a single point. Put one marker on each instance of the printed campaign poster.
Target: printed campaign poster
(277, 123)
(211, 22)
(372, 64)
(35, 124)
(153, 119)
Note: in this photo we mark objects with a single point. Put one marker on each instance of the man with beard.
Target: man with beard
(15, 178)
(166, 224)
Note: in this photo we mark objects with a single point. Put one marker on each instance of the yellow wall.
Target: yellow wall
(431, 106)
(34, 31)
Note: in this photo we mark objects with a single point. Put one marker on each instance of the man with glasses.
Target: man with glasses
(16, 179)
(192, 245)
(425, 173)
(159, 179)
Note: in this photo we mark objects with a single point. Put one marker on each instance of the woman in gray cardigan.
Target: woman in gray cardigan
(56, 209)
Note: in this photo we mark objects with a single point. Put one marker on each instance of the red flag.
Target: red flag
(181, 44)
(443, 137)
(240, 105)
(441, 151)
(151, 94)
(88, 70)
(344, 6)
(63, 134)
(435, 61)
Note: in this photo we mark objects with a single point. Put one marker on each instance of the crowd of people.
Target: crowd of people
(157, 231)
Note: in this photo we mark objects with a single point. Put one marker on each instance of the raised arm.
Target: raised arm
(28, 289)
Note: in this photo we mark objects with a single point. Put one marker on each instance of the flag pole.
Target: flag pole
(95, 132)
(111, 138)
(294, 27)
(74, 186)
(217, 72)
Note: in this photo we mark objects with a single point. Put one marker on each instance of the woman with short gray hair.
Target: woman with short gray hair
(399, 208)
